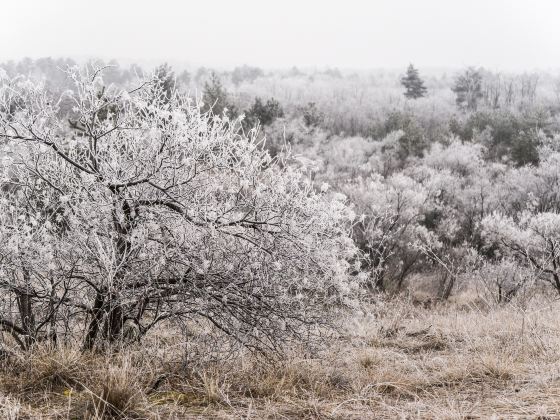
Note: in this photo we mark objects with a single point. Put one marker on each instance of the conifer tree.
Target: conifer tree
(215, 98)
(413, 84)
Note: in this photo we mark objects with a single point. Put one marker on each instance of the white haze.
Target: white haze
(497, 34)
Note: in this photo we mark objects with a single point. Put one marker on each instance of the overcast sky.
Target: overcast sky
(499, 34)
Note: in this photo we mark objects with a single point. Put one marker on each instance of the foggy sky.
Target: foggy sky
(497, 34)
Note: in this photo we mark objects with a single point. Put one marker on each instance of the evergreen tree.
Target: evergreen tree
(263, 113)
(312, 116)
(215, 98)
(413, 84)
(165, 79)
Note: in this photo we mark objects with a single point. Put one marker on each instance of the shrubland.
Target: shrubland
(281, 244)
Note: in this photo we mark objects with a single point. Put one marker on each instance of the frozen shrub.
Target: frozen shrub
(155, 212)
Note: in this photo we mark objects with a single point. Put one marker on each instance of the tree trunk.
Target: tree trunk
(115, 319)
(93, 328)
(25, 306)
(446, 286)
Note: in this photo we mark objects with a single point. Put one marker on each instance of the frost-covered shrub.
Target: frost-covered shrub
(145, 209)
(389, 212)
(502, 281)
(532, 238)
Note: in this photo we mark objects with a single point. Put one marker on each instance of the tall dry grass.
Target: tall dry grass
(396, 359)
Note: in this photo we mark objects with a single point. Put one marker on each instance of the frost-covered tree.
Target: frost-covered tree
(533, 238)
(154, 212)
(468, 89)
(245, 73)
(501, 281)
(389, 212)
(413, 84)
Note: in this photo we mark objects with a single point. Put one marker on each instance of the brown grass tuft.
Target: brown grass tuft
(120, 395)
(45, 369)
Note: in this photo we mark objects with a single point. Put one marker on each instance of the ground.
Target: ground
(394, 359)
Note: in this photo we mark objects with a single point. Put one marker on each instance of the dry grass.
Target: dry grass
(395, 360)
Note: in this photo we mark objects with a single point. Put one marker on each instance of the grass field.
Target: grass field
(395, 360)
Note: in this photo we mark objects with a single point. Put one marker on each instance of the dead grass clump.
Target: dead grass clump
(465, 371)
(369, 361)
(215, 387)
(188, 399)
(425, 343)
(306, 409)
(493, 367)
(10, 409)
(45, 369)
(261, 380)
(120, 393)
(286, 379)
(423, 340)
